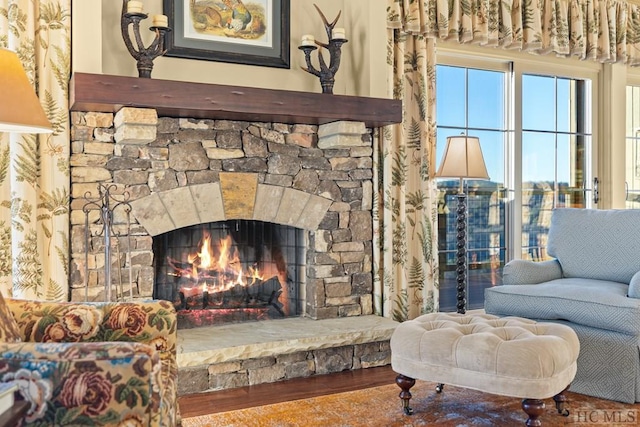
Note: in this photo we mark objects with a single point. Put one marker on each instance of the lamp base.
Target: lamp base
(461, 254)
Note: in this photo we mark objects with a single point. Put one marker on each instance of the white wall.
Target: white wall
(98, 48)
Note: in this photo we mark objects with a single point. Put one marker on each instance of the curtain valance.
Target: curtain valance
(598, 30)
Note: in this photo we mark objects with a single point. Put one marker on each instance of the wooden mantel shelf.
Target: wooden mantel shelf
(107, 93)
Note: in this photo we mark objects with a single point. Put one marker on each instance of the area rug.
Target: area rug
(454, 407)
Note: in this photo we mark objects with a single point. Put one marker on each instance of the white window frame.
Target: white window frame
(454, 54)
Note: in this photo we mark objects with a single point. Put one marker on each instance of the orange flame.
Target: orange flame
(215, 268)
(220, 268)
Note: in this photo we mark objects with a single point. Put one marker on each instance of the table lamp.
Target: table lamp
(20, 109)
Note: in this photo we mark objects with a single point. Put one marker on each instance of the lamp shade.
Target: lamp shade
(20, 109)
(462, 159)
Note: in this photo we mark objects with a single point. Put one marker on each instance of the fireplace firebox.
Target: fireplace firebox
(230, 271)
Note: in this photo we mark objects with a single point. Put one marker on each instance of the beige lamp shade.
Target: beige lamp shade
(462, 159)
(20, 109)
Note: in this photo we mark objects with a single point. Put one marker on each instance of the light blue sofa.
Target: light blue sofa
(593, 286)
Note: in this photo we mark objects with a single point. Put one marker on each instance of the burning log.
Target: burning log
(257, 294)
(212, 277)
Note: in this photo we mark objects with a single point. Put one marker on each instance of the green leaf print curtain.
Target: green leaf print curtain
(405, 216)
(603, 31)
(34, 169)
(405, 234)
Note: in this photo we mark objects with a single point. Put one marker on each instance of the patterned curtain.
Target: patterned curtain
(34, 170)
(405, 215)
(598, 30)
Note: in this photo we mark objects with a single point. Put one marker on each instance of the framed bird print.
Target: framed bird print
(249, 32)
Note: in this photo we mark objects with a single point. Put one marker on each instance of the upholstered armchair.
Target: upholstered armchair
(592, 284)
(91, 364)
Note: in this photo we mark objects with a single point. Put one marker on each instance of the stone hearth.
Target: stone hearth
(236, 355)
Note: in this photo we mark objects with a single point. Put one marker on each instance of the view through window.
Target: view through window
(536, 145)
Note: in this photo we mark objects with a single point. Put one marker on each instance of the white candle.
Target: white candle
(338, 33)
(308, 40)
(160, 21)
(134, 6)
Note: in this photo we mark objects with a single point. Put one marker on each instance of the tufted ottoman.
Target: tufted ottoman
(509, 356)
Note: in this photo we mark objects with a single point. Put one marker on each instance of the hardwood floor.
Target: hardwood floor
(300, 388)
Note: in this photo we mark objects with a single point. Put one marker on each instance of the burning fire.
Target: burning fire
(220, 268)
(212, 276)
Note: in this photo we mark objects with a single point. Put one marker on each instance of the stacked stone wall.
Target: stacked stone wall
(137, 154)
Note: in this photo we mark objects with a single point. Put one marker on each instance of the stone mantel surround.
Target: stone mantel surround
(116, 141)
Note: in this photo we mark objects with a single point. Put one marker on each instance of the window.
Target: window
(472, 101)
(535, 129)
(632, 152)
(555, 143)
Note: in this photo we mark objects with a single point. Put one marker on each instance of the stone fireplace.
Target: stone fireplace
(198, 172)
(292, 170)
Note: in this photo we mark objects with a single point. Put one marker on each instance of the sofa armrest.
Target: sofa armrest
(634, 286)
(149, 322)
(153, 323)
(522, 272)
(85, 383)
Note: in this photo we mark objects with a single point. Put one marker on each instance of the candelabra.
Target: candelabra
(132, 14)
(106, 203)
(336, 40)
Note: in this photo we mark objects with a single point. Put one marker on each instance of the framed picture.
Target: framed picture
(251, 32)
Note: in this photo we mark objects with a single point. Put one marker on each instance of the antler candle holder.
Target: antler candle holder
(132, 14)
(336, 40)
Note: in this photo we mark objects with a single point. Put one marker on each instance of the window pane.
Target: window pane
(486, 99)
(571, 171)
(538, 158)
(554, 161)
(629, 111)
(632, 152)
(565, 107)
(492, 144)
(538, 103)
(451, 96)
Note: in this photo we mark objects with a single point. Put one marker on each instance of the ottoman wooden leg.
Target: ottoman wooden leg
(560, 400)
(405, 383)
(534, 408)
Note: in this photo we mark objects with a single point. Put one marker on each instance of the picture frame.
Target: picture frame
(248, 32)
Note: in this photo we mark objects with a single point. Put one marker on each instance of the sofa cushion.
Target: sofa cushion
(596, 244)
(596, 303)
(9, 331)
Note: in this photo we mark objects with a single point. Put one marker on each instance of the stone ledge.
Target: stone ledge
(233, 342)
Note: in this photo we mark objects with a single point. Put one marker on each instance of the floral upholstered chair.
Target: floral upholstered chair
(91, 364)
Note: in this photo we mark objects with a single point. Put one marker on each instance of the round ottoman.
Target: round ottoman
(509, 356)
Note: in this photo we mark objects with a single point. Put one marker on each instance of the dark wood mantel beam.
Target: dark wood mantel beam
(107, 93)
